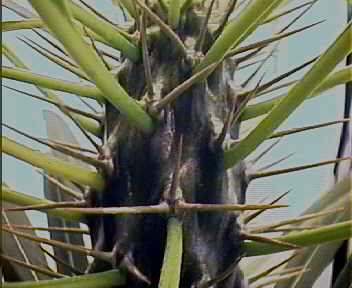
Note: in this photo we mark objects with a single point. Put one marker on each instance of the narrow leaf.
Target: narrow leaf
(115, 37)
(53, 165)
(22, 199)
(22, 24)
(51, 83)
(341, 77)
(105, 256)
(107, 279)
(174, 13)
(302, 90)
(90, 62)
(237, 30)
(79, 116)
(171, 270)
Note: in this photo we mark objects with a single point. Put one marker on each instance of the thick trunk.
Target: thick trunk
(144, 169)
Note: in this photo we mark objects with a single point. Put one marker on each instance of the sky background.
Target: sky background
(27, 114)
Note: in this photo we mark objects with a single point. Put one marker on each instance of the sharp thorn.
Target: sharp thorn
(253, 237)
(245, 101)
(287, 12)
(66, 204)
(65, 189)
(44, 51)
(276, 162)
(306, 128)
(58, 260)
(285, 75)
(254, 215)
(128, 265)
(96, 12)
(62, 149)
(72, 146)
(264, 228)
(280, 279)
(266, 151)
(172, 96)
(175, 191)
(163, 27)
(57, 104)
(164, 208)
(265, 273)
(295, 169)
(53, 44)
(105, 256)
(51, 228)
(230, 8)
(267, 41)
(204, 28)
(299, 16)
(262, 63)
(97, 51)
(32, 267)
(222, 276)
(145, 55)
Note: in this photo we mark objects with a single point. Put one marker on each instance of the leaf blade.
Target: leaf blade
(320, 70)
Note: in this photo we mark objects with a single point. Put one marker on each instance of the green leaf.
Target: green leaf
(171, 270)
(297, 94)
(174, 13)
(329, 233)
(338, 196)
(238, 30)
(90, 62)
(22, 199)
(129, 6)
(51, 83)
(114, 37)
(86, 123)
(52, 165)
(317, 258)
(338, 78)
(22, 24)
(107, 279)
